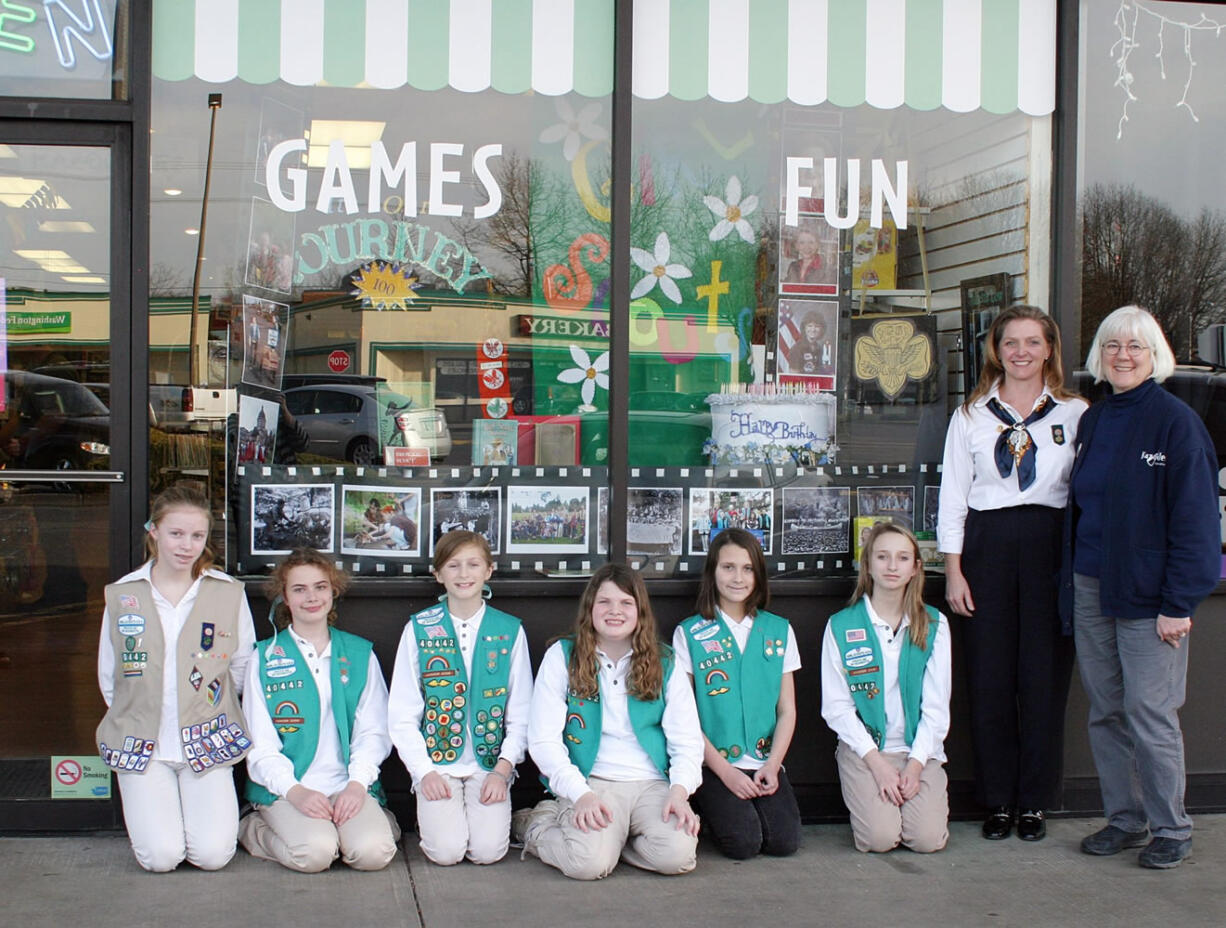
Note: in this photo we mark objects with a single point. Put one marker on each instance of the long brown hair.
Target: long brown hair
(913, 595)
(646, 678)
(274, 587)
(185, 494)
(994, 371)
(708, 593)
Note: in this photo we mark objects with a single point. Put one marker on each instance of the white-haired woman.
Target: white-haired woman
(1145, 543)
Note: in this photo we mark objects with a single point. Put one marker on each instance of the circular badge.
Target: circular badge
(490, 738)
(461, 688)
(444, 718)
(450, 755)
(496, 711)
(459, 702)
(492, 348)
(493, 378)
(431, 715)
(496, 408)
(446, 706)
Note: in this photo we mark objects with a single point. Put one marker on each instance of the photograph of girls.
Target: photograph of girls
(547, 520)
(816, 520)
(712, 511)
(654, 521)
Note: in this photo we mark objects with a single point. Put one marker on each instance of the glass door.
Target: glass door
(64, 441)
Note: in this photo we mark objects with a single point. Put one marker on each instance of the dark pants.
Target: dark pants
(1018, 661)
(743, 828)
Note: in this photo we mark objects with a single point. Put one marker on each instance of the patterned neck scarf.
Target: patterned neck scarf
(1015, 446)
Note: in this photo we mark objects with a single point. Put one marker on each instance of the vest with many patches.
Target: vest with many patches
(856, 640)
(585, 716)
(737, 693)
(457, 708)
(213, 732)
(292, 697)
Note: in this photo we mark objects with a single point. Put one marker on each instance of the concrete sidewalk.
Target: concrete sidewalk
(93, 880)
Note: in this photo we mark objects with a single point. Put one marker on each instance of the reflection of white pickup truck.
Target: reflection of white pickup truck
(174, 405)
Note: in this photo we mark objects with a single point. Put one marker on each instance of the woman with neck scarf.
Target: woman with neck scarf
(1004, 486)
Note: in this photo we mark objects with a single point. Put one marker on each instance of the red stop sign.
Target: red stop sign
(338, 361)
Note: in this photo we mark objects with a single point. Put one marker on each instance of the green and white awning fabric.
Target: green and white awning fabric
(995, 55)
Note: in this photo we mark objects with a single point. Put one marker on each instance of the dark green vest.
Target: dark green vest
(737, 694)
(456, 707)
(856, 640)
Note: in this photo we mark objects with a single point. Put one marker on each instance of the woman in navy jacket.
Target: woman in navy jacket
(1145, 550)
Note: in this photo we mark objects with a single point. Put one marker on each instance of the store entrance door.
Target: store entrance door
(65, 448)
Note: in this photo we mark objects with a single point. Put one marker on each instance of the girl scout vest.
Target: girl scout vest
(855, 637)
(737, 693)
(293, 701)
(213, 731)
(456, 707)
(584, 716)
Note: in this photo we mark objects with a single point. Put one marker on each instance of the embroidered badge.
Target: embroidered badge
(858, 657)
(716, 679)
(712, 647)
(214, 692)
(206, 636)
(129, 602)
(280, 667)
(1057, 434)
(436, 631)
(131, 624)
(195, 678)
(854, 634)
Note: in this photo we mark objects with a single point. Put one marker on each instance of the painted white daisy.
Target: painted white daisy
(659, 271)
(574, 127)
(591, 374)
(732, 213)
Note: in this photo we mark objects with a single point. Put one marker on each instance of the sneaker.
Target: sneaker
(1112, 840)
(1165, 853)
(526, 823)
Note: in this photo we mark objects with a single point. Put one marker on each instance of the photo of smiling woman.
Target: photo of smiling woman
(1004, 485)
(1143, 535)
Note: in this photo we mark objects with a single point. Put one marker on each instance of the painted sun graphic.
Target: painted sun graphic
(383, 286)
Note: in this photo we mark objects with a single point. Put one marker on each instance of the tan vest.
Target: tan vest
(213, 731)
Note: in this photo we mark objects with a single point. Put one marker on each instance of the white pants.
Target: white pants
(459, 827)
(173, 814)
(281, 833)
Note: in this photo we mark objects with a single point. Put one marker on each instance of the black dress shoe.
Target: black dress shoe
(1031, 826)
(998, 824)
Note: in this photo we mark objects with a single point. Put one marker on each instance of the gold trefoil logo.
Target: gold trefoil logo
(893, 353)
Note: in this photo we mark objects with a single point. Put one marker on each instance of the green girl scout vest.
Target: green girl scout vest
(584, 716)
(456, 707)
(213, 732)
(854, 636)
(737, 693)
(293, 701)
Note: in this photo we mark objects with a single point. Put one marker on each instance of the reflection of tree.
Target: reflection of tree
(1136, 250)
(508, 233)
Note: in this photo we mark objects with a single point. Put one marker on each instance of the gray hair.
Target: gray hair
(1129, 322)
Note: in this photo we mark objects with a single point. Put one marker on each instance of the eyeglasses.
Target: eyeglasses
(1133, 349)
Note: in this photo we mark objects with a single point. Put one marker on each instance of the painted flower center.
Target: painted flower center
(590, 374)
(658, 270)
(734, 214)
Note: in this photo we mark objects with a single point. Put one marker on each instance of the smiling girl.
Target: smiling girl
(885, 693)
(176, 639)
(745, 657)
(318, 709)
(615, 733)
(458, 716)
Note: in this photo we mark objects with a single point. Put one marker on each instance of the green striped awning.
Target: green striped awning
(996, 55)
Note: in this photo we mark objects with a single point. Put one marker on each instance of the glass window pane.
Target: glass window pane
(65, 48)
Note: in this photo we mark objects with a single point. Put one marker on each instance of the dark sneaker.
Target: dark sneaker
(1031, 825)
(1112, 840)
(1165, 853)
(998, 824)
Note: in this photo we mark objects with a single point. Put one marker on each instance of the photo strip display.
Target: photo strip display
(473, 510)
(547, 520)
(654, 521)
(291, 515)
(816, 520)
(712, 511)
(882, 504)
(381, 521)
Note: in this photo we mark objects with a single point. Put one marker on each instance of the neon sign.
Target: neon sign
(70, 27)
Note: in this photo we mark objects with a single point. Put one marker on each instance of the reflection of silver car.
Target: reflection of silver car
(343, 421)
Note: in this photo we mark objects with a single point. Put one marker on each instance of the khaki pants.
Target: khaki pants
(638, 834)
(462, 827)
(921, 823)
(281, 833)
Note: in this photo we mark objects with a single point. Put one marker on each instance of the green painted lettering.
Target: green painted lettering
(372, 239)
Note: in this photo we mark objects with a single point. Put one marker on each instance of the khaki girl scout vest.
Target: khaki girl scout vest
(213, 731)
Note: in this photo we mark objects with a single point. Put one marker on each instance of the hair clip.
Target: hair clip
(148, 525)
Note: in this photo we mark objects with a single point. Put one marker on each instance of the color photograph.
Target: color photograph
(257, 430)
(477, 511)
(807, 344)
(712, 511)
(547, 520)
(809, 257)
(285, 516)
(265, 327)
(495, 442)
(816, 520)
(381, 521)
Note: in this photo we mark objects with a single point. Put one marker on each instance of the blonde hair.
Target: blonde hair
(1132, 322)
(646, 678)
(274, 587)
(185, 494)
(913, 595)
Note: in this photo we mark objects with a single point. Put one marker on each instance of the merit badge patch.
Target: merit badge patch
(131, 624)
(195, 678)
(858, 657)
(129, 602)
(1057, 434)
(206, 636)
(214, 692)
(854, 634)
(436, 631)
(712, 647)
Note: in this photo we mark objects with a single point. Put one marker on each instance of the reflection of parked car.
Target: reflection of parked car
(343, 420)
(52, 424)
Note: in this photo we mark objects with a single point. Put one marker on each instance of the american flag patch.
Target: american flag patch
(436, 631)
(712, 647)
(278, 651)
(129, 602)
(855, 634)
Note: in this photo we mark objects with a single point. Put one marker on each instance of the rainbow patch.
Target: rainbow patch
(576, 717)
(716, 674)
(437, 661)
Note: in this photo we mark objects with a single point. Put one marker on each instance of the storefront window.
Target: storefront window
(64, 48)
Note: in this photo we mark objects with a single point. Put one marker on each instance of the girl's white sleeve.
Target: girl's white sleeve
(838, 707)
(545, 724)
(106, 661)
(370, 743)
(682, 732)
(404, 709)
(957, 474)
(934, 712)
(519, 703)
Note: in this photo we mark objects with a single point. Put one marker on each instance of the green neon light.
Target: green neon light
(18, 13)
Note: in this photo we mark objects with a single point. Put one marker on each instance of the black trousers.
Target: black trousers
(1018, 661)
(743, 828)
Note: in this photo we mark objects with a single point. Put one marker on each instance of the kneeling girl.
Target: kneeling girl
(885, 693)
(615, 733)
(317, 704)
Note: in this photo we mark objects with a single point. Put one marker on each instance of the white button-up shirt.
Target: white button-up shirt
(839, 709)
(369, 743)
(620, 756)
(169, 747)
(970, 480)
(406, 704)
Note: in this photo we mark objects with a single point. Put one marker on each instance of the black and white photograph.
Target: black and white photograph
(602, 520)
(477, 511)
(547, 520)
(816, 520)
(285, 516)
(712, 511)
(257, 430)
(932, 499)
(894, 503)
(381, 521)
(655, 521)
